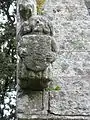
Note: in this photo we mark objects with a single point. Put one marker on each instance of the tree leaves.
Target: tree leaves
(7, 55)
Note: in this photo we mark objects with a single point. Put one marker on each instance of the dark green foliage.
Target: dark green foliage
(7, 56)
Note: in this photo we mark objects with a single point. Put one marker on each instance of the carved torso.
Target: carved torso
(36, 49)
(38, 52)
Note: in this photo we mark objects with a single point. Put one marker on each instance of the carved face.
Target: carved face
(25, 11)
(37, 25)
(41, 25)
(27, 8)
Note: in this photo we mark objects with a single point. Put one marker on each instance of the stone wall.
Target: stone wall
(70, 71)
(87, 2)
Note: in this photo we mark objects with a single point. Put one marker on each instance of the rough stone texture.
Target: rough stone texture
(36, 48)
(73, 98)
(32, 105)
(53, 117)
(36, 117)
(27, 8)
(71, 69)
(37, 24)
(36, 54)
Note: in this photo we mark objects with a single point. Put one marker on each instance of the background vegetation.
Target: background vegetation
(40, 4)
(7, 59)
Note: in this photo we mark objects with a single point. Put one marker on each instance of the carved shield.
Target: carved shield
(35, 51)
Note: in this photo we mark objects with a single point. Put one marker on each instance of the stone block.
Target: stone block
(73, 98)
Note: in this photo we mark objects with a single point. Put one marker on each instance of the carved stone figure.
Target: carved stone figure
(37, 51)
(27, 8)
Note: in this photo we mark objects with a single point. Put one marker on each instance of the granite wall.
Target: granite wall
(70, 71)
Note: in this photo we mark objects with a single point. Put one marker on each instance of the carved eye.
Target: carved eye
(38, 21)
(25, 12)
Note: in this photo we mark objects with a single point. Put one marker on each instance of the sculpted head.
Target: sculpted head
(37, 25)
(26, 9)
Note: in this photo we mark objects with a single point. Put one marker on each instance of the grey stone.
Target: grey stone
(37, 25)
(73, 98)
(37, 51)
(36, 47)
(31, 104)
(71, 23)
(25, 9)
(52, 117)
(71, 69)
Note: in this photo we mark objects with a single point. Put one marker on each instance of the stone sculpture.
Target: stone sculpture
(36, 49)
(70, 71)
(27, 8)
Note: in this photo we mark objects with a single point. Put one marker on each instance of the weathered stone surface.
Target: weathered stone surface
(69, 64)
(87, 2)
(27, 102)
(53, 117)
(31, 104)
(37, 24)
(66, 10)
(73, 98)
(36, 52)
(36, 48)
(71, 69)
(25, 9)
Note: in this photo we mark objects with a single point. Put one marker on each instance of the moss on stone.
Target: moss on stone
(40, 4)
